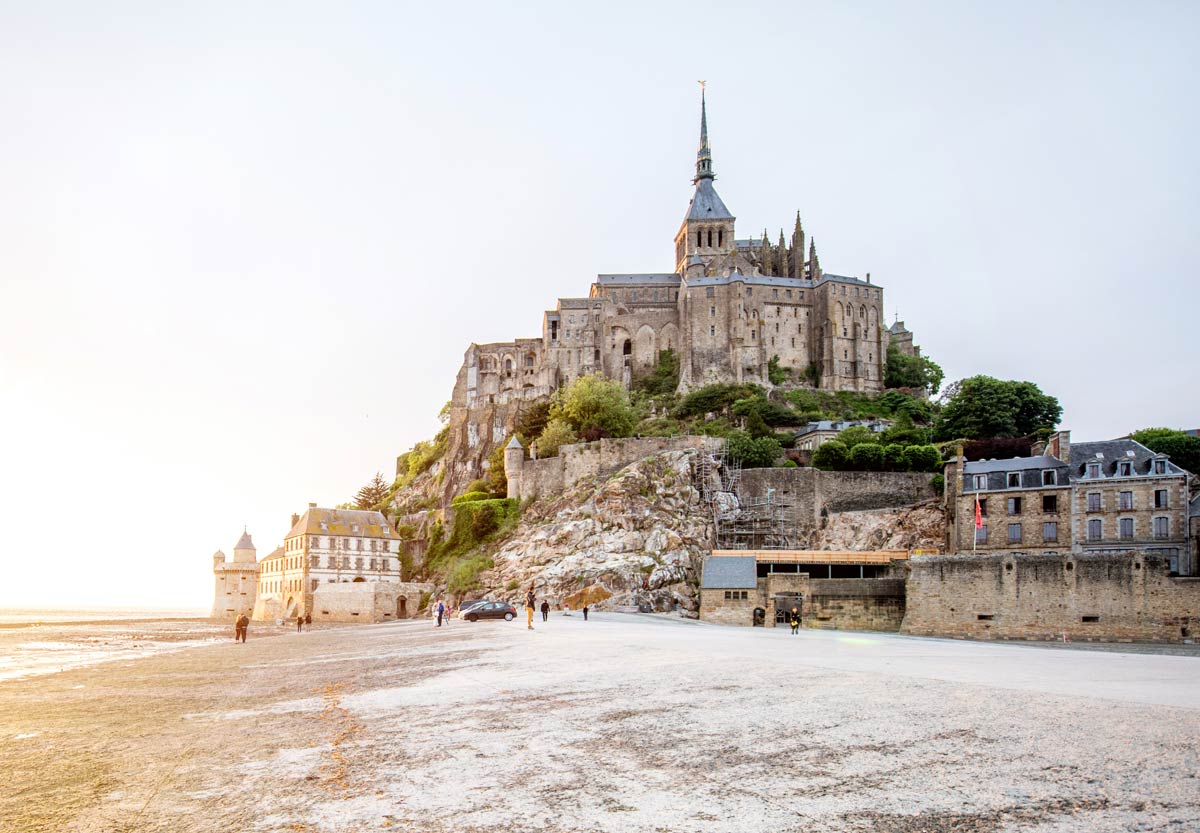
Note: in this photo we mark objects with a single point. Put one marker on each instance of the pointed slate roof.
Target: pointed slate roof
(244, 543)
(515, 443)
(706, 205)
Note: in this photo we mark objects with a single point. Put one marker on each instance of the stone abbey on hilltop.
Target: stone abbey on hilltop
(729, 307)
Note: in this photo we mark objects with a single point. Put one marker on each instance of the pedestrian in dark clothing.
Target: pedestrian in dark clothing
(585, 613)
(530, 601)
(299, 623)
(240, 626)
(545, 610)
(441, 611)
(307, 619)
(794, 620)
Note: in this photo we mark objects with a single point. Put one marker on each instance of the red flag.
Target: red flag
(978, 514)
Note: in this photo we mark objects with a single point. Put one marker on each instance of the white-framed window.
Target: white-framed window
(1048, 478)
(1093, 469)
(1125, 527)
(1014, 480)
(1094, 503)
(1160, 466)
(1125, 469)
(1095, 529)
(1126, 501)
(980, 482)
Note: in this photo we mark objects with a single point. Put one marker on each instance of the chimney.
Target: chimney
(295, 520)
(311, 505)
(1038, 449)
(1060, 446)
(868, 277)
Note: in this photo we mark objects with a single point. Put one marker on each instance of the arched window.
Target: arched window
(710, 238)
(508, 366)
(699, 241)
(627, 349)
(720, 237)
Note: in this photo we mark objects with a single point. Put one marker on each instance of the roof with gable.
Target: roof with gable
(350, 522)
(1110, 452)
(728, 572)
(278, 552)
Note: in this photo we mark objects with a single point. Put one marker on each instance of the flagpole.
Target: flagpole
(975, 535)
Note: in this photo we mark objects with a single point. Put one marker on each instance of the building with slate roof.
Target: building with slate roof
(728, 307)
(1114, 496)
(330, 546)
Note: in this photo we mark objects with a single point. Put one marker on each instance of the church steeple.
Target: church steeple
(704, 154)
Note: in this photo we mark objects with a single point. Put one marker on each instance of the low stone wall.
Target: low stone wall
(367, 601)
(579, 461)
(860, 604)
(714, 607)
(1084, 596)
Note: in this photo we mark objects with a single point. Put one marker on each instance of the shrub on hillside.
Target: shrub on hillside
(830, 456)
(893, 457)
(866, 457)
(713, 399)
(752, 452)
(556, 434)
(595, 404)
(922, 458)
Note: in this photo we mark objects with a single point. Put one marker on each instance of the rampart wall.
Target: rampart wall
(812, 491)
(1082, 596)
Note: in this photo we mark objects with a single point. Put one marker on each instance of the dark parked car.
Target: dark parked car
(489, 610)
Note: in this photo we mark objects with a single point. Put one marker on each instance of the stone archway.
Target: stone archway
(401, 607)
(289, 609)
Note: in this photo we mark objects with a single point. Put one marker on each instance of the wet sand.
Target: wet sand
(623, 723)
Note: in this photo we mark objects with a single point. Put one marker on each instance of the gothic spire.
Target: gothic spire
(704, 155)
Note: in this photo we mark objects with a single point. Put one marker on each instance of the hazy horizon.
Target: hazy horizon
(246, 247)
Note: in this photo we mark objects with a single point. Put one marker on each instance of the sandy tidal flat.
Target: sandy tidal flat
(623, 723)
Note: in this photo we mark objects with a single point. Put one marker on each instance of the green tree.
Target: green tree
(1183, 449)
(373, 494)
(558, 432)
(893, 457)
(904, 371)
(593, 403)
(922, 458)
(983, 407)
(856, 434)
(866, 457)
(772, 413)
(752, 452)
(775, 374)
(532, 421)
(664, 378)
(756, 426)
(830, 456)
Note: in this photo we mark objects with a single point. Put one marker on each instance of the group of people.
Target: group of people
(443, 612)
(531, 601)
(241, 625)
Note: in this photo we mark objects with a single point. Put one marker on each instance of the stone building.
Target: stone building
(328, 546)
(726, 309)
(236, 581)
(815, 434)
(861, 590)
(1115, 496)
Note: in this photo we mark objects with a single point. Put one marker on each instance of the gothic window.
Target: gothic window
(862, 312)
(712, 312)
(699, 241)
(712, 331)
(627, 349)
(596, 357)
(753, 335)
(720, 237)
(710, 238)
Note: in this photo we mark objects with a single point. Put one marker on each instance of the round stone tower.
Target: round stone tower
(514, 459)
(236, 582)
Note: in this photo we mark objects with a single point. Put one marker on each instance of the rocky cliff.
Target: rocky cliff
(636, 537)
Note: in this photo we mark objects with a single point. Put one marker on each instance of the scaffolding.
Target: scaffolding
(741, 523)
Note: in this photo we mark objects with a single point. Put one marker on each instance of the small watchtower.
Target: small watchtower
(235, 582)
(514, 459)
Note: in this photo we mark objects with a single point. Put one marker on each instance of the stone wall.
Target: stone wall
(855, 604)
(716, 608)
(367, 601)
(1085, 596)
(579, 461)
(813, 492)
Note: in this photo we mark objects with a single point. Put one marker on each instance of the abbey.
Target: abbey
(729, 307)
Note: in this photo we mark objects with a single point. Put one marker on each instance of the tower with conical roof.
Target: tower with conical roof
(236, 582)
(707, 229)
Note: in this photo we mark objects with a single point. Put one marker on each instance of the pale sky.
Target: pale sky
(243, 247)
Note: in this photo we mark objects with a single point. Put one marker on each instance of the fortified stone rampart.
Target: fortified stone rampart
(812, 492)
(1084, 596)
(367, 601)
(553, 475)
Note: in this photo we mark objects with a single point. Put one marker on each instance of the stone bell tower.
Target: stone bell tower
(236, 582)
(707, 230)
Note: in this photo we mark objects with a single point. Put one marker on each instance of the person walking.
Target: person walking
(299, 623)
(794, 620)
(240, 626)
(530, 601)
(441, 611)
(545, 611)
(308, 620)
(585, 613)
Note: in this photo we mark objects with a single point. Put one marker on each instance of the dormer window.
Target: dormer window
(1093, 469)
(1014, 480)
(1124, 469)
(980, 482)
(1160, 466)
(1048, 478)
